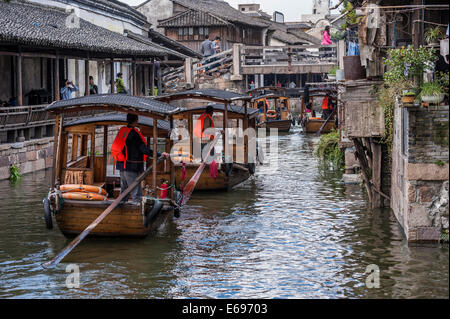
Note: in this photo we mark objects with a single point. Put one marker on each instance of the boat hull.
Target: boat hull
(124, 221)
(313, 126)
(207, 183)
(281, 125)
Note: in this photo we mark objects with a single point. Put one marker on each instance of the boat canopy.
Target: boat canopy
(236, 109)
(268, 96)
(118, 119)
(115, 102)
(266, 88)
(218, 96)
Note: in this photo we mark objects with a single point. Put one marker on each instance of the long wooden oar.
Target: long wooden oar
(326, 122)
(190, 186)
(99, 219)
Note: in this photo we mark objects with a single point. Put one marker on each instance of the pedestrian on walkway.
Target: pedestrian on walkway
(66, 91)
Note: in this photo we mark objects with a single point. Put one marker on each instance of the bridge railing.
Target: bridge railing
(289, 55)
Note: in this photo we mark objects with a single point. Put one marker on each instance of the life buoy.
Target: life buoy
(84, 196)
(47, 214)
(73, 188)
(271, 114)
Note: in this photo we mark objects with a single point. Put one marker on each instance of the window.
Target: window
(180, 31)
(186, 31)
(191, 31)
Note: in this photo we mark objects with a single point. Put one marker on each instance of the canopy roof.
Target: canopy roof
(251, 112)
(268, 96)
(212, 95)
(115, 102)
(118, 118)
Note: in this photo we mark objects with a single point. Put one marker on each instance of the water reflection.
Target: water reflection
(296, 233)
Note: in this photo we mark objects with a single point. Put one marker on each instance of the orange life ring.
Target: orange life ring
(84, 196)
(82, 188)
(271, 114)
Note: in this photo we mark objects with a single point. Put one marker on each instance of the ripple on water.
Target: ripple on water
(298, 232)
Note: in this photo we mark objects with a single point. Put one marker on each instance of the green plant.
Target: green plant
(434, 34)
(407, 64)
(431, 89)
(439, 163)
(442, 78)
(328, 150)
(14, 173)
(350, 18)
(333, 70)
(337, 36)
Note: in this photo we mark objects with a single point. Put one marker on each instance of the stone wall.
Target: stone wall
(29, 156)
(419, 192)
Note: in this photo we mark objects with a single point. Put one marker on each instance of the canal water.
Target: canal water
(297, 233)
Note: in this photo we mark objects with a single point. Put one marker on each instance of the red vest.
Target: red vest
(200, 125)
(120, 143)
(325, 104)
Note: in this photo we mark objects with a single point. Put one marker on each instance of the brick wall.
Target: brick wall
(428, 135)
(419, 190)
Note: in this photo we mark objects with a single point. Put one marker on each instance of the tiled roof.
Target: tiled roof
(221, 9)
(121, 102)
(34, 25)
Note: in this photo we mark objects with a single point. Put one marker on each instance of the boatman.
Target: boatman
(326, 108)
(203, 123)
(130, 152)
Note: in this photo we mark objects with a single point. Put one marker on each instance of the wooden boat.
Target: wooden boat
(274, 112)
(226, 115)
(312, 124)
(77, 160)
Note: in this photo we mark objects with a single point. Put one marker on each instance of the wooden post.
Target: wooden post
(361, 155)
(105, 150)
(84, 145)
(146, 71)
(152, 78)
(160, 80)
(191, 135)
(19, 92)
(112, 76)
(376, 175)
(245, 127)
(155, 155)
(134, 70)
(55, 147)
(172, 166)
(86, 77)
(188, 71)
(225, 129)
(92, 150)
(57, 95)
(74, 147)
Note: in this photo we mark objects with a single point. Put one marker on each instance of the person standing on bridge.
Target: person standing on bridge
(326, 39)
(206, 48)
(66, 91)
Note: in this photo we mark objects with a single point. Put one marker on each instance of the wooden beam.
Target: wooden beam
(225, 128)
(111, 67)
(105, 150)
(152, 79)
(134, 70)
(57, 95)
(155, 155)
(172, 166)
(75, 138)
(55, 147)
(86, 77)
(19, 87)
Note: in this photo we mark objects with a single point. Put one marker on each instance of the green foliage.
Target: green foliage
(328, 150)
(442, 78)
(444, 236)
(350, 18)
(434, 34)
(439, 163)
(406, 64)
(431, 89)
(337, 36)
(333, 70)
(14, 173)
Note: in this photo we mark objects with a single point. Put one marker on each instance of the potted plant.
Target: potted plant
(433, 35)
(332, 73)
(432, 93)
(408, 97)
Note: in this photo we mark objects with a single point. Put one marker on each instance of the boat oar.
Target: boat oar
(99, 219)
(190, 186)
(326, 122)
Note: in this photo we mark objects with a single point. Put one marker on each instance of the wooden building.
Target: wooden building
(189, 21)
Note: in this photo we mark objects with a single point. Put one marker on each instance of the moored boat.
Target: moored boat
(84, 185)
(274, 112)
